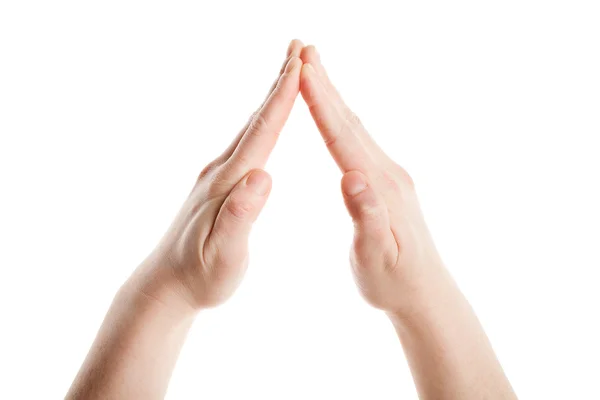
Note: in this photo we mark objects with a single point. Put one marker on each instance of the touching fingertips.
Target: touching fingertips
(310, 54)
(259, 182)
(308, 83)
(292, 64)
(295, 46)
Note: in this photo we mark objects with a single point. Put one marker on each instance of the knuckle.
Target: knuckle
(332, 136)
(239, 208)
(218, 187)
(352, 120)
(209, 168)
(229, 173)
(331, 139)
(390, 181)
(404, 177)
(369, 211)
(285, 63)
(368, 207)
(350, 124)
(395, 179)
(252, 117)
(258, 125)
(239, 162)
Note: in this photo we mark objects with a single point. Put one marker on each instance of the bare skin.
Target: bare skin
(203, 256)
(395, 263)
(198, 264)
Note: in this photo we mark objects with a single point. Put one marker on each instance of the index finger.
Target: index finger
(347, 140)
(294, 49)
(261, 135)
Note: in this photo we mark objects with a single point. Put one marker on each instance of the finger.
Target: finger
(374, 243)
(335, 119)
(259, 139)
(294, 50)
(310, 55)
(236, 216)
(339, 131)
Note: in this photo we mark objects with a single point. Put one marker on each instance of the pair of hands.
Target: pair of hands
(203, 256)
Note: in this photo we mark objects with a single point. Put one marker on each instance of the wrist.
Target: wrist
(434, 294)
(159, 289)
(156, 302)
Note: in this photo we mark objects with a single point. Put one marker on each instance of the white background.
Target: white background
(108, 110)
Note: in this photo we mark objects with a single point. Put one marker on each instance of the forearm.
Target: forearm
(449, 354)
(135, 350)
(198, 264)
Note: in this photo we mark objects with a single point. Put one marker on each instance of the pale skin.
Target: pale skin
(203, 256)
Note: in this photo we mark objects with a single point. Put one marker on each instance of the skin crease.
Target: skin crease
(198, 264)
(203, 256)
(392, 247)
(395, 263)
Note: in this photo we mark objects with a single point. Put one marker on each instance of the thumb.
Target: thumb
(374, 244)
(229, 236)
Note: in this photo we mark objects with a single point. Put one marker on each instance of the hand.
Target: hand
(204, 254)
(393, 255)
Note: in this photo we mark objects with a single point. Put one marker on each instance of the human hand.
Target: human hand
(393, 255)
(204, 254)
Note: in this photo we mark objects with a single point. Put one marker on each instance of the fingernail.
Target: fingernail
(355, 185)
(291, 64)
(291, 47)
(258, 182)
(309, 68)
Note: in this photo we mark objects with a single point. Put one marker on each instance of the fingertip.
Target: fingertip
(294, 47)
(294, 64)
(309, 54)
